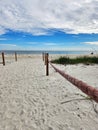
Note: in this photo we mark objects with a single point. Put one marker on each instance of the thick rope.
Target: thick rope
(89, 90)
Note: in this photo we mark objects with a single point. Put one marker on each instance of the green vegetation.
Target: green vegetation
(85, 60)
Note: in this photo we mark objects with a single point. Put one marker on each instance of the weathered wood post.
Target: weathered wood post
(3, 58)
(15, 56)
(43, 56)
(47, 65)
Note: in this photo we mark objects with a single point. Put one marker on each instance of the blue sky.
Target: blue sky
(49, 25)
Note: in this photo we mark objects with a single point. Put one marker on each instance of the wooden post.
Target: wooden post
(43, 56)
(47, 65)
(3, 58)
(15, 56)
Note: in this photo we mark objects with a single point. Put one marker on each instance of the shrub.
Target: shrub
(85, 60)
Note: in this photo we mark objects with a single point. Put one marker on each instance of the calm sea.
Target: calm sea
(50, 52)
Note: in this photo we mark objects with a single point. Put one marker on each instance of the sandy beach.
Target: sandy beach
(30, 100)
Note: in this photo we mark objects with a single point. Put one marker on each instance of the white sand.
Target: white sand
(29, 100)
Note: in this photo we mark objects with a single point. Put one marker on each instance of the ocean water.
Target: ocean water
(50, 52)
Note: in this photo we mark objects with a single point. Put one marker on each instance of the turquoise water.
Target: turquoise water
(50, 52)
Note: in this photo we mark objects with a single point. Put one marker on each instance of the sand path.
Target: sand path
(29, 100)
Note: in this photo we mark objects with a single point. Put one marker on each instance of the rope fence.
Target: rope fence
(87, 89)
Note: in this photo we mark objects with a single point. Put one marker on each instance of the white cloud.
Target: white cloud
(32, 43)
(39, 16)
(50, 44)
(2, 30)
(8, 45)
(44, 43)
(92, 43)
(3, 39)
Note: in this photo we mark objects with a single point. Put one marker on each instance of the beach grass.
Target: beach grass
(83, 59)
